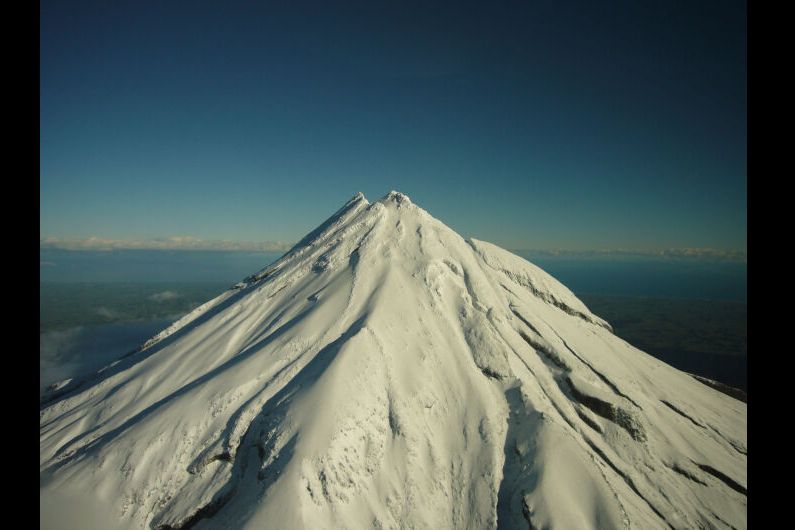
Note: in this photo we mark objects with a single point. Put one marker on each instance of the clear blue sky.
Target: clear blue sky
(572, 125)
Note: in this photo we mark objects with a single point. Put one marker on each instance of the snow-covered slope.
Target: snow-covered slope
(387, 373)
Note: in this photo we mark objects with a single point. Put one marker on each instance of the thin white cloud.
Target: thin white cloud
(105, 312)
(166, 243)
(164, 296)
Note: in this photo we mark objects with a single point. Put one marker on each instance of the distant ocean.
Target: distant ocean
(96, 306)
(649, 277)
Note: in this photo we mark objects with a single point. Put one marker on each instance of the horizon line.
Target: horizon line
(190, 243)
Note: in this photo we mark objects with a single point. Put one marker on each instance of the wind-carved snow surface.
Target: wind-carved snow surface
(386, 373)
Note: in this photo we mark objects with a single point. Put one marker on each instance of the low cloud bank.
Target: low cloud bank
(166, 243)
(691, 253)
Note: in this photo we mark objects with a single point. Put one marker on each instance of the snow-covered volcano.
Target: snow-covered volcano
(387, 373)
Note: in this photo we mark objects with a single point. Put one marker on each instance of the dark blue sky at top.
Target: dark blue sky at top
(530, 124)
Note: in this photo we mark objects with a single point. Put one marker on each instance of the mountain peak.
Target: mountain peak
(395, 197)
(358, 197)
(388, 373)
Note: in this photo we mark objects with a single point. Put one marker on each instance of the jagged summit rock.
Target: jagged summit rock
(396, 197)
(387, 373)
